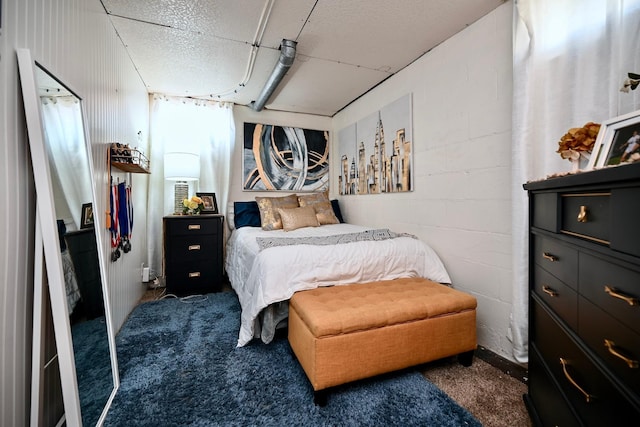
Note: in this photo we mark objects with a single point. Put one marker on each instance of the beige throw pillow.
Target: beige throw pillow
(325, 214)
(269, 215)
(311, 199)
(322, 205)
(295, 218)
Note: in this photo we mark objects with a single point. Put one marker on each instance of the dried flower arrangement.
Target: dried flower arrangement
(578, 141)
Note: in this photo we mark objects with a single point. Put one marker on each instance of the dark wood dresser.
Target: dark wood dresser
(584, 306)
(192, 258)
(84, 255)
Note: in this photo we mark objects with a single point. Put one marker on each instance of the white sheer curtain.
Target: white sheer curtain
(62, 123)
(570, 60)
(191, 125)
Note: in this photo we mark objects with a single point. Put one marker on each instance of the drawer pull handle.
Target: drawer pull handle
(194, 274)
(547, 290)
(194, 226)
(588, 397)
(194, 247)
(582, 216)
(611, 346)
(547, 255)
(617, 294)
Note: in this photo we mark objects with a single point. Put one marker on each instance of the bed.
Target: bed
(266, 267)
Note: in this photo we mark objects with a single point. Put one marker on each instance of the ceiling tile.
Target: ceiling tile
(201, 48)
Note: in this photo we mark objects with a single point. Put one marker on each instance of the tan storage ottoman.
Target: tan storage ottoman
(345, 333)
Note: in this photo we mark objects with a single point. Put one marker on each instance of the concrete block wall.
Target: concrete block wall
(461, 204)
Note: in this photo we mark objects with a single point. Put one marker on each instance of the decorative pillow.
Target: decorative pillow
(229, 216)
(246, 214)
(311, 199)
(324, 213)
(295, 218)
(269, 216)
(336, 210)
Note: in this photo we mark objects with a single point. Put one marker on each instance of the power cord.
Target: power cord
(190, 299)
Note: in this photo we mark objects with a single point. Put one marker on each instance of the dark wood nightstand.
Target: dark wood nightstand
(192, 257)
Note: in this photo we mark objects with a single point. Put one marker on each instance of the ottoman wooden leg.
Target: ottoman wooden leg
(320, 397)
(466, 358)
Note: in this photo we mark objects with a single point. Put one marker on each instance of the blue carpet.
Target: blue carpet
(179, 366)
(93, 367)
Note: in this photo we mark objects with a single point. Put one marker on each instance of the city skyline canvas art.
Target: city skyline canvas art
(376, 153)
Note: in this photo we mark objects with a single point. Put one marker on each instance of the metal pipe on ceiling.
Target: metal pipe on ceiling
(287, 55)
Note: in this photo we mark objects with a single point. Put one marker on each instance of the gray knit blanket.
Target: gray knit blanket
(337, 239)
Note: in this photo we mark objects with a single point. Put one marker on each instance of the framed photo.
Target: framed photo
(86, 221)
(210, 204)
(618, 142)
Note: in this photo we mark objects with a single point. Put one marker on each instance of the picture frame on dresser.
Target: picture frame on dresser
(617, 140)
(209, 201)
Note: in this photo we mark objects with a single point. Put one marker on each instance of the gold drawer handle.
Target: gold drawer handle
(547, 290)
(194, 226)
(582, 216)
(617, 294)
(588, 397)
(194, 274)
(194, 247)
(547, 255)
(611, 346)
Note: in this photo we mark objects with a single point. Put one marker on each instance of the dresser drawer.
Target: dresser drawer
(548, 401)
(545, 211)
(614, 289)
(557, 259)
(193, 248)
(561, 298)
(592, 395)
(625, 209)
(192, 225)
(586, 215)
(617, 345)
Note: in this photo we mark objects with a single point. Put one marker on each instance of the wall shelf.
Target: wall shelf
(128, 159)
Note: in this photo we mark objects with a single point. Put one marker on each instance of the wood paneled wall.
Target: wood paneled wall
(73, 39)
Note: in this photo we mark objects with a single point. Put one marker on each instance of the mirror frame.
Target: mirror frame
(47, 244)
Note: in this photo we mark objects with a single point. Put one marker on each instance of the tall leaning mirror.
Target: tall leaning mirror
(71, 242)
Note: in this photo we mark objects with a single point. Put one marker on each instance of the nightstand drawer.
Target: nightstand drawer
(614, 289)
(193, 248)
(186, 277)
(594, 397)
(617, 345)
(557, 259)
(561, 298)
(586, 215)
(191, 225)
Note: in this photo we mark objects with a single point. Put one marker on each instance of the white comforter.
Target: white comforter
(264, 277)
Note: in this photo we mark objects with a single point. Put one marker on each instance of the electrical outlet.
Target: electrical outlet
(145, 274)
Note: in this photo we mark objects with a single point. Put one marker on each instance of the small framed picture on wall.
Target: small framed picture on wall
(86, 220)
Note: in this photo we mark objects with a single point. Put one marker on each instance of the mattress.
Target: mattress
(271, 275)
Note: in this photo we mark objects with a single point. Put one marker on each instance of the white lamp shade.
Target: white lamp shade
(181, 166)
